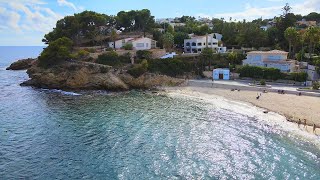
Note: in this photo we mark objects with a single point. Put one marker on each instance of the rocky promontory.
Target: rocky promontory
(22, 64)
(85, 76)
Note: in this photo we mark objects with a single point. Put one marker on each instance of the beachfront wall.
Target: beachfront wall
(221, 74)
(271, 59)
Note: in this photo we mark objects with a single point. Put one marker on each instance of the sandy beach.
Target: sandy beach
(291, 106)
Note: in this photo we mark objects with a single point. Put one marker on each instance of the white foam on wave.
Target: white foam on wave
(273, 119)
(62, 92)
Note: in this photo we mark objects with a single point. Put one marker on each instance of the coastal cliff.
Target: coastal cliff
(22, 64)
(82, 75)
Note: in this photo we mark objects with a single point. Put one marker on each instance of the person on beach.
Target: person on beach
(314, 128)
(305, 123)
(299, 122)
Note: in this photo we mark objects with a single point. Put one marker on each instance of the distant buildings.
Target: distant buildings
(137, 43)
(271, 59)
(197, 43)
(305, 23)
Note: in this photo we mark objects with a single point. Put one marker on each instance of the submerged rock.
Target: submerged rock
(22, 64)
(83, 75)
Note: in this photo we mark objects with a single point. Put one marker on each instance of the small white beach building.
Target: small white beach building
(221, 74)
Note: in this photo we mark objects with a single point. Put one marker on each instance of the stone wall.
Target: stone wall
(156, 53)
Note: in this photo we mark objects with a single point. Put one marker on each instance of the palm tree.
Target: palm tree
(291, 36)
(312, 37)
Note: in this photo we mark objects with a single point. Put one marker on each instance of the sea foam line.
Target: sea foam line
(275, 120)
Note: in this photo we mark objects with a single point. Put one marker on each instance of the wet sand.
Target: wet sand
(293, 107)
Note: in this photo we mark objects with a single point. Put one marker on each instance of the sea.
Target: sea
(54, 134)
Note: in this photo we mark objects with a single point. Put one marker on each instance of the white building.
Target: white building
(222, 74)
(197, 43)
(137, 43)
(271, 59)
(310, 70)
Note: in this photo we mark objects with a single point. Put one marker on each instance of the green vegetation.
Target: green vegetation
(128, 46)
(316, 85)
(139, 69)
(300, 77)
(260, 73)
(111, 58)
(171, 67)
(58, 51)
(168, 41)
(144, 54)
(82, 54)
(262, 82)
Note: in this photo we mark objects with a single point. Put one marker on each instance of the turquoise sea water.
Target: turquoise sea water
(52, 134)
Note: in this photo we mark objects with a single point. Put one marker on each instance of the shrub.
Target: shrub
(128, 46)
(262, 82)
(83, 53)
(103, 69)
(171, 67)
(300, 77)
(57, 52)
(110, 58)
(138, 69)
(108, 49)
(144, 54)
(315, 85)
(260, 72)
(91, 50)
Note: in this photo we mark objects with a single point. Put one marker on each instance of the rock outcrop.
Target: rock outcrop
(22, 64)
(82, 75)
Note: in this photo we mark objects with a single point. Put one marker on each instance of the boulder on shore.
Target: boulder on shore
(92, 76)
(22, 64)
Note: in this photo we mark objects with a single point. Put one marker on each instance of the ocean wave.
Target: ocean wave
(68, 93)
(277, 121)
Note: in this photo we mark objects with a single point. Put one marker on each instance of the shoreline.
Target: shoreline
(292, 107)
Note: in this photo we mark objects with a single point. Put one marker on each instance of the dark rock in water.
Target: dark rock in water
(89, 76)
(22, 64)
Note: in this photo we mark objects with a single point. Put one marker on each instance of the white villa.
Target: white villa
(197, 43)
(271, 59)
(137, 43)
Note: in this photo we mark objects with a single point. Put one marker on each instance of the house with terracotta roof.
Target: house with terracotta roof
(271, 59)
(143, 43)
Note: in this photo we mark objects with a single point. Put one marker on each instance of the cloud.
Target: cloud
(9, 19)
(27, 15)
(66, 3)
(251, 12)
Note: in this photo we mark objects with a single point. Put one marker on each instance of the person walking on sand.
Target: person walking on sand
(305, 123)
(314, 128)
(299, 122)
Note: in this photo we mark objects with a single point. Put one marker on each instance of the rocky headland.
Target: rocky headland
(22, 64)
(78, 75)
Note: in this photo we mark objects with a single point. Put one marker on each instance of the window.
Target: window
(199, 44)
(199, 50)
(187, 44)
(214, 43)
(147, 45)
(140, 45)
(194, 44)
(209, 43)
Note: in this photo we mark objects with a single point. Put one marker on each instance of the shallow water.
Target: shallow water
(47, 134)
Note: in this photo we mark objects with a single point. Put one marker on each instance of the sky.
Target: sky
(25, 22)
